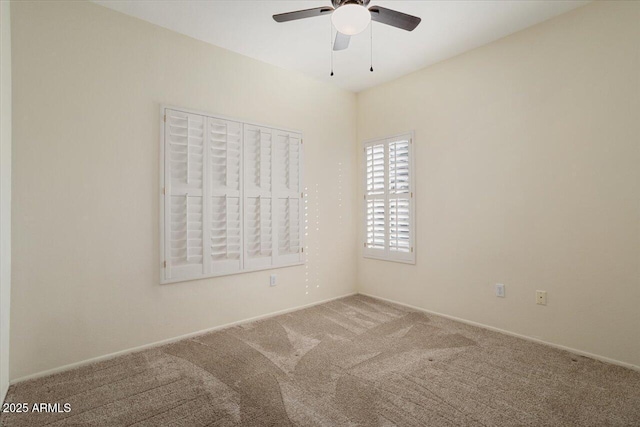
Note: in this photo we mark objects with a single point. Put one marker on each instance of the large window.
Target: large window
(232, 197)
(389, 199)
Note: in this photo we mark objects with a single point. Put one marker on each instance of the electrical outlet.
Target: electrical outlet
(272, 280)
(500, 290)
(541, 297)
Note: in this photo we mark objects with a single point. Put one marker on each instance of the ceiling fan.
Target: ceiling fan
(351, 17)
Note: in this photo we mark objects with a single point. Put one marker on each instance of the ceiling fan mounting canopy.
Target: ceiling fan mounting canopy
(337, 3)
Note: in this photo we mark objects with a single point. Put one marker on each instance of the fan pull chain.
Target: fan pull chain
(371, 44)
(331, 44)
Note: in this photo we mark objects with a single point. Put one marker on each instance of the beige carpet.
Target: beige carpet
(354, 361)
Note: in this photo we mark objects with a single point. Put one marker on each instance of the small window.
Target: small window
(389, 199)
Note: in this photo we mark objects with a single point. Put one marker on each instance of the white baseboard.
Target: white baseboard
(289, 310)
(514, 334)
(169, 340)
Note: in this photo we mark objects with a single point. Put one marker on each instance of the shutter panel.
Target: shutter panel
(289, 242)
(258, 160)
(225, 209)
(258, 206)
(399, 199)
(184, 207)
(225, 142)
(376, 238)
(376, 218)
(288, 196)
(399, 223)
(226, 237)
(287, 146)
(259, 241)
(399, 167)
(375, 169)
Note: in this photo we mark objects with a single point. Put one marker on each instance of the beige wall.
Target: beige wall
(5, 192)
(527, 152)
(88, 84)
(527, 156)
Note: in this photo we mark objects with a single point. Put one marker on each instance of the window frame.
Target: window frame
(162, 199)
(386, 254)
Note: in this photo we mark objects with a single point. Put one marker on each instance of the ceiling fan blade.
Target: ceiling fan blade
(341, 42)
(393, 18)
(301, 14)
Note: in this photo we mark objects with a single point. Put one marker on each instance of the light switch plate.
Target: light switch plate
(272, 280)
(500, 290)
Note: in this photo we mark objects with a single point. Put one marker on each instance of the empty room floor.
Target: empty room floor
(352, 361)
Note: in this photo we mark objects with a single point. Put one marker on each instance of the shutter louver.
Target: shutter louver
(184, 160)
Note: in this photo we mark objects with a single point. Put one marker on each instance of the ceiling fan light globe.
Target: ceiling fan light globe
(351, 19)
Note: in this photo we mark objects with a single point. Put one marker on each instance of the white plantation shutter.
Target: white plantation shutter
(232, 197)
(225, 209)
(258, 183)
(184, 165)
(389, 203)
(288, 196)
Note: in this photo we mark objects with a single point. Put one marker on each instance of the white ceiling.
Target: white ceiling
(448, 28)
